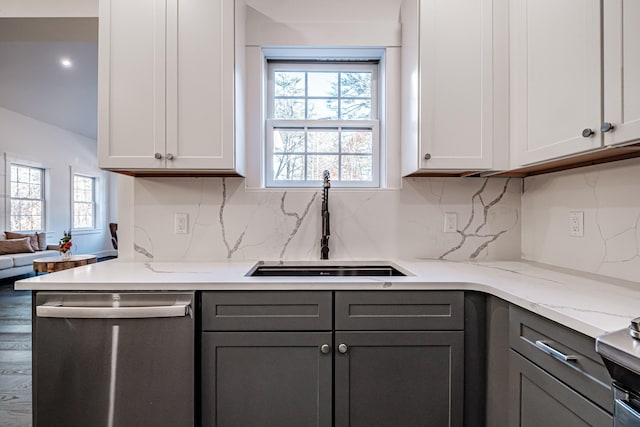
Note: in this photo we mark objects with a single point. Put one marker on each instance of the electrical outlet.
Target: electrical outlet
(181, 223)
(576, 223)
(450, 222)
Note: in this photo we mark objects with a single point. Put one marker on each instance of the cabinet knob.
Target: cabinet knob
(325, 348)
(607, 127)
(342, 348)
(427, 156)
(169, 156)
(158, 156)
(586, 133)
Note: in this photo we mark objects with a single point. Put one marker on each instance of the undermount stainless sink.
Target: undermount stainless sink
(303, 270)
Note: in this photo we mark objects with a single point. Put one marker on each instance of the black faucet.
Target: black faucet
(324, 242)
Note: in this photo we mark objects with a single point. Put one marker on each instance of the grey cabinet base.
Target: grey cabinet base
(266, 379)
(538, 399)
(399, 379)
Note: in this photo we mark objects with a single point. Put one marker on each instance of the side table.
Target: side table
(56, 263)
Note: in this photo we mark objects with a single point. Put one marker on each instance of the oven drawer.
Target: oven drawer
(627, 411)
(564, 353)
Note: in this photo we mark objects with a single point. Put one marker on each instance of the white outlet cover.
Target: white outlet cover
(181, 223)
(450, 222)
(576, 223)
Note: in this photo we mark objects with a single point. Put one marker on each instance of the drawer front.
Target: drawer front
(539, 399)
(399, 310)
(545, 343)
(266, 311)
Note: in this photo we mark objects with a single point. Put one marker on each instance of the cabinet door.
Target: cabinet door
(622, 70)
(131, 84)
(539, 399)
(266, 379)
(556, 78)
(447, 84)
(200, 84)
(399, 379)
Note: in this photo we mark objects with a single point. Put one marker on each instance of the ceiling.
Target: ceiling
(35, 84)
(328, 10)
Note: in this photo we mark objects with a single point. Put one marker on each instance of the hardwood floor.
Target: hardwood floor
(15, 356)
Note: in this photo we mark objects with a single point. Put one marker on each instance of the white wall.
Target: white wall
(58, 151)
(609, 196)
(48, 8)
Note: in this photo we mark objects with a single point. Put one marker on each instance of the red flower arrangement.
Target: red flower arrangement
(65, 243)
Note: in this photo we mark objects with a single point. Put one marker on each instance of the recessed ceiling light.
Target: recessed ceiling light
(66, 63)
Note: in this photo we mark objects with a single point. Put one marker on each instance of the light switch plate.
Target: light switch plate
(576, 223)
(181, 223)
(450, 222)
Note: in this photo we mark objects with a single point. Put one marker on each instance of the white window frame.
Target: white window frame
(94, 189)
(372, 124)
(10, 163)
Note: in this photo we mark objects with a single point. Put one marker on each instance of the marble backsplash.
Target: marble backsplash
(609, 197)
(226, 221)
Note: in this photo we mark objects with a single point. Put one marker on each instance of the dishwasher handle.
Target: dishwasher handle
(73, 312)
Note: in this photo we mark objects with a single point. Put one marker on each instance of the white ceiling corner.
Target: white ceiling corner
(33, 83)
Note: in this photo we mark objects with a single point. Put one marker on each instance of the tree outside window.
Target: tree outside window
(323, 116)
(84, 205)
(27, 198)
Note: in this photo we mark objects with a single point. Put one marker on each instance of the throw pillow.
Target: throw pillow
(33, 238)
(42, 241)
(15, 246)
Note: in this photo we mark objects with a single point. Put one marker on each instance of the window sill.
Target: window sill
(86, 231)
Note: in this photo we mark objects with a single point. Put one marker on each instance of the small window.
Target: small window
(84, 202)
(322, 116)
(27, 205)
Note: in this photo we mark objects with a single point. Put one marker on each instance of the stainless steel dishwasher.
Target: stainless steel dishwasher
(113, 359)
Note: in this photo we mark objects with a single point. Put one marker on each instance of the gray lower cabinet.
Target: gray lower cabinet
(555, 376)
(399, 378)
(399, 358)
(348, 368)
(539, 399)
(266, 379)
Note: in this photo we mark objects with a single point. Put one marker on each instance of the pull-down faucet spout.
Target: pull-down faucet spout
(326, 232)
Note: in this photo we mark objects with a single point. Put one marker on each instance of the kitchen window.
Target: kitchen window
(322, 116)
(27, 198)
(84, 202)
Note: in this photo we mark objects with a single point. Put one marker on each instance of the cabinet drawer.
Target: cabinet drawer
(266, 311)
(535, 338)
(539, 399)
(399, 310)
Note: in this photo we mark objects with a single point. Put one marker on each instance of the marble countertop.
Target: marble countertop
(590, 304)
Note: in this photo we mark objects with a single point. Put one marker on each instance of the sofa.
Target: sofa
(17, 253)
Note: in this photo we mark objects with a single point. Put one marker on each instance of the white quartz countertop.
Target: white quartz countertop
(586, 303)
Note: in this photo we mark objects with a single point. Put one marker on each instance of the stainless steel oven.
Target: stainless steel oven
(626, 407)
(620, 351)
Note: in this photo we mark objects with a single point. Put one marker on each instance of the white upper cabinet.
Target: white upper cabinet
(131, 81)
(449, 86)
(575, 69)
(170, 85)
(555, 78)
(622, 70)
